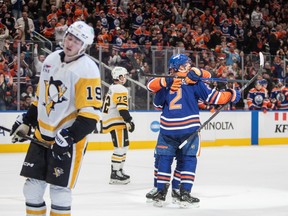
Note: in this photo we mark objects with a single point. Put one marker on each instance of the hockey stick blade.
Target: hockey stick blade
(191, 137)
(46, 145)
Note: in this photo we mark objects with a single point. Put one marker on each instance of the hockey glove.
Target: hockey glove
(19, 129)
(63, 143)
(193, 76)
(236, 95)
(173, 83)
(130, 126)
(264, 110)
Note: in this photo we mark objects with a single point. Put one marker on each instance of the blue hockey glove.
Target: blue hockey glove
(236, 95)
(193, 76)
(20, 127)
(130, 126)
(61, 147)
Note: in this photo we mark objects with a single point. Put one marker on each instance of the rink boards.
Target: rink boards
(228, 128)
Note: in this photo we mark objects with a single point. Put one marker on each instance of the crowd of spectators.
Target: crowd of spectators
(219, 37)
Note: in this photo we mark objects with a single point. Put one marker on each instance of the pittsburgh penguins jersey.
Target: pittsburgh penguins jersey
(180, 111)
(65, 91)
(116, 99)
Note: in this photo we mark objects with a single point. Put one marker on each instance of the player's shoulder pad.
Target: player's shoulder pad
(118, 88)
(87, 67)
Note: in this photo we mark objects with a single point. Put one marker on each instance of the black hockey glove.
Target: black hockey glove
(61, 147)
(130, 126)
(20, 127)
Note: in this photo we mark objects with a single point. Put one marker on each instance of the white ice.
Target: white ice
(238, 181)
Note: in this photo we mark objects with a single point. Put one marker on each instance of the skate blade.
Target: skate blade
(175, 201)
(117, 182)
(149, 200)
(158, 203)
(188, 205)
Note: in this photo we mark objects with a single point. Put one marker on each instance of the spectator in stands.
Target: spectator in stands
(277, 69)
(9, 22)
(25, 102)
(29, 91)
(38, 62)
(60, 30)
(40, 24)
(232, 54)
(170, 25)
(11, 97)
(17, 8)
(49, 31)
(115, 59)
(256, 17)
(53, 13)
(215, 38)
(31, 9)
(141, 35)
(3, 90)
(4, 34)
(26, 27)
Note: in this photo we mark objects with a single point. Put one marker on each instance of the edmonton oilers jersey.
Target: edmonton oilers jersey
(180, 112)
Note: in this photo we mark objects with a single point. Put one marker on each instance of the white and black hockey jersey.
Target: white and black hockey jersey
(65, 91)
(116, 99)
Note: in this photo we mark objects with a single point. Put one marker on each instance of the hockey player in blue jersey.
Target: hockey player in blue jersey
(178, 99)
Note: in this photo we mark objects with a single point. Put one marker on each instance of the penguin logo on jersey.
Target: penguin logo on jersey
(54, 93)
(58, 171)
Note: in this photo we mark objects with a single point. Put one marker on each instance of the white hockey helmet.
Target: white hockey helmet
(83, 32)
(118, 71)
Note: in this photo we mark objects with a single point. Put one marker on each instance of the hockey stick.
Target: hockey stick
(203, 79)
(142, 73)
(46, 145)
(191, 137)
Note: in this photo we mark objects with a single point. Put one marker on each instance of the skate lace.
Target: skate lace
(153, 191)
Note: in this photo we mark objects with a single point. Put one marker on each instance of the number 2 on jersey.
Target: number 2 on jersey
(173, 103)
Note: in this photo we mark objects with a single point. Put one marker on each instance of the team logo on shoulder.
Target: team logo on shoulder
(58, 171)
(46, 68)
(54, 93)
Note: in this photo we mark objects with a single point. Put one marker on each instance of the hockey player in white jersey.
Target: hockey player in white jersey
(66, 111)
(117, 121)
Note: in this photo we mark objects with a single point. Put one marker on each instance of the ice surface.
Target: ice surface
(238, 181)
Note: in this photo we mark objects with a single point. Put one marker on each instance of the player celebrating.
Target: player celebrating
(178, 99)
(118, 121)
(67, 110)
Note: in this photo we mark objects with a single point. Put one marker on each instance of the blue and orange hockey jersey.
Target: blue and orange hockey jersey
(180, 111)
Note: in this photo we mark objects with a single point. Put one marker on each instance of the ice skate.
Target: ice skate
(175, 196)
(124, 174)
(186, 200)
(151, 194)
(117, 177)
(160, 196)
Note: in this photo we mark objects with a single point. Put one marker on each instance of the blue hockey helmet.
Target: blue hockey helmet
(263, 82)
(176, 61)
